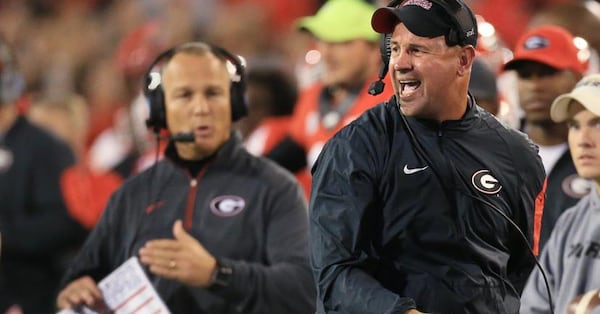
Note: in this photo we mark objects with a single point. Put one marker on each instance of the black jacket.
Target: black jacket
(394, 227)
(246, 211)
(39, 237)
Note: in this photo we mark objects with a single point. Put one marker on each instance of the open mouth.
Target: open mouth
(202, 131)
(408, 87)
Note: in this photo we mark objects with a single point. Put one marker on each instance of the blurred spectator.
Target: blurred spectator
(482, 86)
(67, 118)
(492, 49)
(38, 234)
(575, 16)
(510, 16)
(281, 14)
(547, 65)
(582, 19)
(272, 95)
(105, 91)
(85, 191)
(349, 52)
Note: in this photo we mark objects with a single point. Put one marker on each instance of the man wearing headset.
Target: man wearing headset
(219, 230)
(417, 206)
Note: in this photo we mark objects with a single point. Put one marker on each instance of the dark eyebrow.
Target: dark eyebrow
(594, 120)
(572, 121)
(410, 46)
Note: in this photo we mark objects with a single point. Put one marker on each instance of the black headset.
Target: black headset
(154, 92)
(11, 81)
(464, 32)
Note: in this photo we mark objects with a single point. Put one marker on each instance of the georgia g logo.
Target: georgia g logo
(484, 182)
(227, 205)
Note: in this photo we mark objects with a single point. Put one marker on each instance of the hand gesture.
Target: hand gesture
(82, 291)
(183, 258)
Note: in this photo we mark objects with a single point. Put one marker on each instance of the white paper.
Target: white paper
(127, 290)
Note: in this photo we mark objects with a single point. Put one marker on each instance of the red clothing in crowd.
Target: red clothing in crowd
(86, 193)
(307, 127)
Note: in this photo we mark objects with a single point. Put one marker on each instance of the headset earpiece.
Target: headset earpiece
(463, 20)
(239, 107)
(452, 38)
(153, 91)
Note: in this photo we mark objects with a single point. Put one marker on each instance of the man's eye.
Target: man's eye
(212, 93)
(183, 94)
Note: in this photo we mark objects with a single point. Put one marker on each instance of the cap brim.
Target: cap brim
(560, 107)
(384, 20)
(542, 58)
(559, 111)
(423, 24)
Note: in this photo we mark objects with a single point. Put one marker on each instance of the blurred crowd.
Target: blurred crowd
(83, 63)
(99, 50)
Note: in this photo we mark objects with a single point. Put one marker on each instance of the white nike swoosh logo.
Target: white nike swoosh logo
(414, 170)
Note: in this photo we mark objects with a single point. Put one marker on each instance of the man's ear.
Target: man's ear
(466, 57)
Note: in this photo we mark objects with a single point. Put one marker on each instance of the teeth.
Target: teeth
(409, 85)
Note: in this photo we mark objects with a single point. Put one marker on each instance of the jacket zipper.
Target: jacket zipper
(191, 200)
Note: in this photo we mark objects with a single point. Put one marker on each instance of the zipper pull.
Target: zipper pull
(193, 182)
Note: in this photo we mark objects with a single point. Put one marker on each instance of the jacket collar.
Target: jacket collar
(222, 156)
(471, 116)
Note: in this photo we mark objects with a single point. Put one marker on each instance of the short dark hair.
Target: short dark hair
(279, 85)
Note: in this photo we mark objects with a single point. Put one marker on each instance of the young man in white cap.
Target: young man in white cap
(571, 257)
(419, 204)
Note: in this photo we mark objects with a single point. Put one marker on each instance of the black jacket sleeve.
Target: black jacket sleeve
(532, 194)
(343, 193)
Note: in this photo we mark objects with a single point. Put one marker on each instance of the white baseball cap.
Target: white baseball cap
(586, 92)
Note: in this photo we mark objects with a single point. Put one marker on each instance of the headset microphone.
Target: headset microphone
(183, 137)
(377, 87)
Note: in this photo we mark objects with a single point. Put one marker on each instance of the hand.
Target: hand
(82, 291)
(183, 258)
(413, 311)
(15, 309)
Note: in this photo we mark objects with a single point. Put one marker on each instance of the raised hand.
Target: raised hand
(182, 258)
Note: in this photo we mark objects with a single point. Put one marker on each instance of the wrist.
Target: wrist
(221, 274)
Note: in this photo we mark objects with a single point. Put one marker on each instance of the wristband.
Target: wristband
(221, 276)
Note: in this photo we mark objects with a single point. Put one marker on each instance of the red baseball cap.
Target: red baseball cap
(550, 45)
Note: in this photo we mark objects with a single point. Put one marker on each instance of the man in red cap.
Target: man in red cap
(547, 62)
(425, 203)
